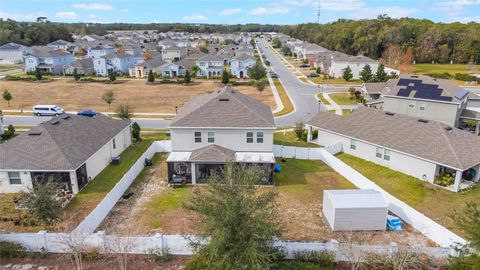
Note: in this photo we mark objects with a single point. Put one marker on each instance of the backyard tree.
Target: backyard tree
(195, 70)
(257, 71)
(347, 74)
(276, 43)
(136, 131)
(188, 78)
(381, 75)
(38, 74)
(76, 76)
(151, 77)
(286, 51)
(238, 221)
(299, 129)
(225, 77)
(261, 84)
(10, 133)
(42, 202)
(112, 75)
(7, 96)
(108, 97)
(366, 73)
(468, 221)
(124, 111)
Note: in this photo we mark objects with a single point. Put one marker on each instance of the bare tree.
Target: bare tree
(74, 244)
(392, 56)
(349, 243)
(121, 245)
(402, 259)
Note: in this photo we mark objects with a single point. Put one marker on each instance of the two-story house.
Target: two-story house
(173, 54)
(47, 60)
(213, 129)
(13, 53)
(210, 66)
(239, 65)
(118, 62)
(312, 49)
(339, 62)
(61, 44)
(100, 50)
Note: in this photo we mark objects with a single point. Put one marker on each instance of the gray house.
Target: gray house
(83, 67)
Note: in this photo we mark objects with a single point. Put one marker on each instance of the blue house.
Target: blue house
(47, 60)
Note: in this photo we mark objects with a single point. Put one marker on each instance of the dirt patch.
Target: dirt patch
(62, 262)
(144, 97)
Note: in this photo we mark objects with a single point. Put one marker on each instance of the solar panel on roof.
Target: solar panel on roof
(422, 90)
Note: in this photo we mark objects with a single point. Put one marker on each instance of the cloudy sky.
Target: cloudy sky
(233, 12)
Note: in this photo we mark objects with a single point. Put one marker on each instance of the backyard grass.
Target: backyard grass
(88, 198)
(145, 98)
(435, 202)
(343, 99)
(8, 67)
(287, 103)
(322, 99)
(290, 139)
(441, 68)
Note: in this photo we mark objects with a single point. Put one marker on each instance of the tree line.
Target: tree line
(429, 41)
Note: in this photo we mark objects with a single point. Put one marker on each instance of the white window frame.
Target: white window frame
(260, 137)
(379, 153)
(114, 143)
(386, 154)
(422, 107)
(411, 104)
(197, 135)
(353, 144)
(211, 137)
(250, 137)
(15, 178)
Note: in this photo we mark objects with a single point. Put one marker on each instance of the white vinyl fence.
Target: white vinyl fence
(180, 245)
(297, 152)
(434, 231)
(95, 218)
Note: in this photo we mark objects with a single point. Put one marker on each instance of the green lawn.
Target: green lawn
(435, 202)
(8, 67)
(322, 99)
(343, 99)
(290, 139)
(441, 68)
(287, 103)
(170, 200)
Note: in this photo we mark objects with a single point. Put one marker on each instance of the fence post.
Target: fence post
(43, 234)
(101, 236)
(332, 246)
(159, 241)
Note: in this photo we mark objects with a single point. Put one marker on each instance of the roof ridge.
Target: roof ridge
(248, 107)
(56, 142)
(447, 139)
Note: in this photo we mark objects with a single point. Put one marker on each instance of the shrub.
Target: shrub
(24, 78)
(295, 265)
(314, 134)
(94, 80)
(93, 253)
(444, 75)
(465, 77)
(319, 258)
(446, 179)
(11, 250)
(246, 83)
(159, 255)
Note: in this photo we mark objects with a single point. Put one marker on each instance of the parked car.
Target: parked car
(88, 113)
(267, 62)
(273, 74)
(47, 110)
(312, 75)
(304, 65)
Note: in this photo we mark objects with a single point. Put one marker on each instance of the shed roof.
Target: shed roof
(356, 198)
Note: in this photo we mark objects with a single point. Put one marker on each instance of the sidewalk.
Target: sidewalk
(276, 96)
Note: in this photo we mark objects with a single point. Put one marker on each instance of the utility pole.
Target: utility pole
(318, 11)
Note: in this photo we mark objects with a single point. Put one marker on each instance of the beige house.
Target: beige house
(173, 54)
(142, 69)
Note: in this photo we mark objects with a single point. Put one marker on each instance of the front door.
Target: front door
(174, 74)
(139, 73)
(241, 74)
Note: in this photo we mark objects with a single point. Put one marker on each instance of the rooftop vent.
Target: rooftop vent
(422, 120)
(66, 117)
(35, 133)
(54, 123)
(223, 99)
(390, 113)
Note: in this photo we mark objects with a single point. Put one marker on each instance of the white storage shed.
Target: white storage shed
(355, 210)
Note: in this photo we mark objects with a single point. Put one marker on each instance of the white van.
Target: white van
(47, 110)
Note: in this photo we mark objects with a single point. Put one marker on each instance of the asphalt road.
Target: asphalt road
(302, 95)
(15, 120)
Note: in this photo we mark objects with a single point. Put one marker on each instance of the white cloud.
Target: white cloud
(454, 8)
(194, 18)
(67, 15)
(93, 6)
(343, 5)
(269, 11)
(21, 16)
(230, 11)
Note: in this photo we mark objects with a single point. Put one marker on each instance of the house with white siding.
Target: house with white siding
(239, 65)
(219, 127)
(47, 60)
(210, 66)
(425, 149)
(68, 149)
(100, 50)
(61, 44)
(13, 53)
(118, 62)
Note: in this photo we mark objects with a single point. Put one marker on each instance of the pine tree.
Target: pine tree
(76, 76)
(366, 74)
(225, 77)
(347, 74)
(7, 96)
(38, 74)
(151, 77)
(381, 75)
(187, 79)
(112, 75)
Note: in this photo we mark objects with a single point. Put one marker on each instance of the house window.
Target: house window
(14, 178)
(114, 143)
(249, 137)
(353, 144)
(211, 137)
(411, 104)
(423, 107)
(198, 137)
(386, 154)
(379, 152)
(259, 137)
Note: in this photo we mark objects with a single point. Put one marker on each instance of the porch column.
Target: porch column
(194, 173)
(74, 182)
(477, 177)
(309, 133)
(458, 179)
(477, 128)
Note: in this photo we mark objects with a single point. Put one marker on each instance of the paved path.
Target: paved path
(8, 72)
(335, 106)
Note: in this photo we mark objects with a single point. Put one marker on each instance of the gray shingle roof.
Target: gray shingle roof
(10, 46)
(373, 88)
(44, 51)
(62, 146)
(212, 153)
(116, 55)
(243, 57)
(84, 64)
(431, 141)
(225, 107)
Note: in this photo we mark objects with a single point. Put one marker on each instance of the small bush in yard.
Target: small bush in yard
(160, 255)
(11, 250)
(320, 258)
